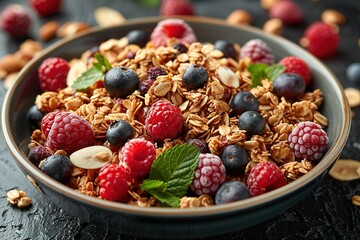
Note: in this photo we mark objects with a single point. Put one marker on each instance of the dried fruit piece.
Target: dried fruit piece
(345, 170)
(353, 96)
(106, 16)
(93, 157)
(227, 77)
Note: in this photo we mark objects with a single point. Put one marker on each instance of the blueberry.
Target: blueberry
(353, 73)
(230, 192)
(244, 101)
(235, 159)
(227, 48)
(181, 48)
(200, 144)
(37, 154)
(139, 37)
(120, 82)
(195, 76)
(289, 85)
(119, 132)
(59, 167)
(252, 122)
(34, 116)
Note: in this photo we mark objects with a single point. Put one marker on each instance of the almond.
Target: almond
(48, 30)
(11, 63)
(227, 77)
(239, 17)
(106, 16)
(273, 26)
(331, 16)
(71, 28)
(93, 157)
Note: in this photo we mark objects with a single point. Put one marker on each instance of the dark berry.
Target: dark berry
(119, 132)
(289, 85)
(38, 153)
(353, 73)
(154, 72)
(34, 116)
(244, 101)
(231, 191)
(139, 37)
(145, 85)
(200, 144)
(195, 76)
(235, 159)
(252, 122)
(181, 48)
(227, 48)
(59, 167)
(121, 82)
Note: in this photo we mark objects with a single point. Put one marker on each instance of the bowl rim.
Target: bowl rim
(244, 205)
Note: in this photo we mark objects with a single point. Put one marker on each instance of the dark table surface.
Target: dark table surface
(327, 213)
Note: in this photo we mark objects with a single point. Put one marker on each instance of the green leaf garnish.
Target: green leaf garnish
(260, 71)
(172, 173)
(93, 74)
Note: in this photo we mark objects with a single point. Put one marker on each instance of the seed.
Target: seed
(227, 77)
(93, 157)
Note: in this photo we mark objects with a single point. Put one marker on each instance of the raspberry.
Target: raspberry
(113, 182)
(172, 28)
(69, 132)
(296, 65)
(287, 11)
(52, 74)
(257, 51)
(164, 120)
(176, 7)
(47, 122)
(137, 156)
(264, 177)
(321, 40)
(15, 20)
(46, 7)
(209, 174)
(308, 140)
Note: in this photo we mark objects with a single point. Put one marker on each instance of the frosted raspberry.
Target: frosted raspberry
(164, 120)
(296, 65)
(46, 7)
(137, 156)
(308, 140)
(209, 174)
(288, 12)
(172, 28)
(15, 20)
(52, 74)
(176, 7)
(264, 177)
(113, 182)
(69, 132)
(257, 51)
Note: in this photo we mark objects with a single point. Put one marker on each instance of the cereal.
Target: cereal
(18, 198)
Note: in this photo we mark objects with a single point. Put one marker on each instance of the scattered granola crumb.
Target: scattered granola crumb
(18, 198)
(355, 200)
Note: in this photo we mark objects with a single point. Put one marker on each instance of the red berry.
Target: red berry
(288, 12)
(47, 122)
(137, 156)
(321, 40)
(176, 7)
(69, 132)
(257, 51)
(297, 65)
(52, 74)
(15, 20)
(172, 28)
(209, 174)
(308, 140)
(164, 120)
(46, 7)
(264, 177)
(113, 182)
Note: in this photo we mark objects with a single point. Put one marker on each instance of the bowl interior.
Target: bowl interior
(22, 95)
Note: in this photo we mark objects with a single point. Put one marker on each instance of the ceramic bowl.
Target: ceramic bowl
(166, 222)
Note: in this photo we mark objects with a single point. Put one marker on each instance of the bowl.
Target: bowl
(167, 222)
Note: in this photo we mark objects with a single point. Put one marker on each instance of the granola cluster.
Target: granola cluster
(206, 111)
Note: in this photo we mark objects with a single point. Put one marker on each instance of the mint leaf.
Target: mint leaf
(103, 61)
(274, 70)
(88, 78)
(172, 173)
(257, 71)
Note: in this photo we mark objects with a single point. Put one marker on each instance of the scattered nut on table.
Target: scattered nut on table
(355, 200)
(106, 16)
(345, 170)
(18, 198)
(71, 28)
(267, 4)
(331, 16)
(274, 26)
(239, 17)
(48, 30)
(353, 96)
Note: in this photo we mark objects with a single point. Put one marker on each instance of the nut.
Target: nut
(162, 89)
(29, 49)
(106, 16)
(267, 4)
(77, 68)
(48, 30)
(93, 157)
(353, 96)
(71, 28)
(238, 17)
(11, 63)
(331, 16)
(273, 26)
(227, 77)
(10, 79)
(355, 200)
(18, 198)
(345, 170)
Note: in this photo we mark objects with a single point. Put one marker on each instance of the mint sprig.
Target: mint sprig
(260, 71)
(93, 74)
(172, 173)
